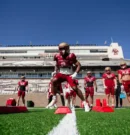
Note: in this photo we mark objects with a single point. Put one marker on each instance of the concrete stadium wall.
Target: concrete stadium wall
(40, 99)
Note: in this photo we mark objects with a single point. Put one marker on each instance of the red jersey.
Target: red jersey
(124, 71)
(109, 79)
(65, 62)
(22, 85)
(89, 80)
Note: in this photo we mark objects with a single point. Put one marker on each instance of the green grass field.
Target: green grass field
(34, 122)
(117, 123)
(41, 121)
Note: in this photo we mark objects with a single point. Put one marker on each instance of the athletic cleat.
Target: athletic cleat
(55, 106)
(47, 107)
(72, 108)
(52, 103)
(50, 107)
(86, 107)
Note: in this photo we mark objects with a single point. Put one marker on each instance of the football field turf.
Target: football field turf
(41, 121)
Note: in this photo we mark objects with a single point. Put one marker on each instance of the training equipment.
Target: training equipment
(11, 102)
(63, 110)
(30, 103)
(12, 109)
(102, 107)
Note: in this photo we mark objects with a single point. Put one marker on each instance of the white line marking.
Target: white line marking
(67, 126)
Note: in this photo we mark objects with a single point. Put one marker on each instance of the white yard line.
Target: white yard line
(67, 126)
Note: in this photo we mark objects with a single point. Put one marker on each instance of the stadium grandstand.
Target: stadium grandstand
(17, 60)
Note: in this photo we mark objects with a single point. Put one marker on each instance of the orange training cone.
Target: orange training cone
(98, 102)
(63, 110)
(98, 105)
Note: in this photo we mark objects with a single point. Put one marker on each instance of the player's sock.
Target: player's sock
(62, 100)
(50, 99)
(55, 105)
(52, 102)
(66, 102)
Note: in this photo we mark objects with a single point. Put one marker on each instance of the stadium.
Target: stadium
(18, 60)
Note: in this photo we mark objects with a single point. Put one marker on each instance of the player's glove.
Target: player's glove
(74, 75)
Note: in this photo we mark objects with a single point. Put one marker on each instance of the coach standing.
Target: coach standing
(22, 88)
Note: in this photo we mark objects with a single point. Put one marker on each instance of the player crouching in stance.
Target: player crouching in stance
(110, 84)
(89, 85)
(70, 95)
(64, 72)
(124, 78)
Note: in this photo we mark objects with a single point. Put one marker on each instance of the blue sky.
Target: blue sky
(54, 21)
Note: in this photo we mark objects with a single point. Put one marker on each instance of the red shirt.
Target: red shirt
(109, 79)
(124, 71)
(65, 62)
(89, 80)
(22, 85)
